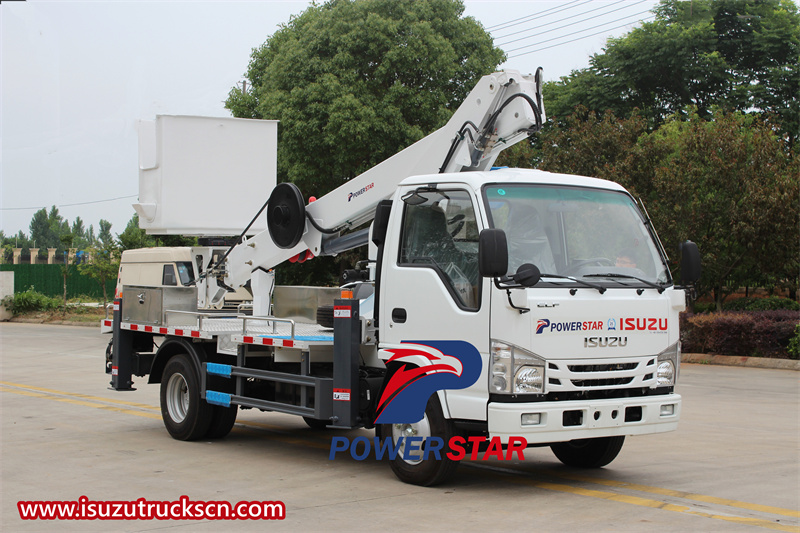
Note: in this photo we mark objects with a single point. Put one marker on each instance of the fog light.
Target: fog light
(531, 419)
(668, 409)
(499, 383)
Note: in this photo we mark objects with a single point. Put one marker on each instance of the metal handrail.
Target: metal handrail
(199, 316)
(267, 319)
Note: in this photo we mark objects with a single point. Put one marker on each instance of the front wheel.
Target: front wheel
(588, 453)
(186, 415)
(414, 469)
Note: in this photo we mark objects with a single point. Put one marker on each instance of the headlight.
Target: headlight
(666, 374)
(669, 362)
(514, 370)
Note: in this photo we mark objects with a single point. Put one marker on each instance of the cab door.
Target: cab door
(431, 290)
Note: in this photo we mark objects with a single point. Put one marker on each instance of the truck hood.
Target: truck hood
(588, 325)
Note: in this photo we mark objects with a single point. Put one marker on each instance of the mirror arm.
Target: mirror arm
(522, 310)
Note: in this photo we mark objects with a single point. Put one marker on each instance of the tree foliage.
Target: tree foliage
(726, 183)
(732, 54)
(355, 82)
(135, 237)
(104, 264)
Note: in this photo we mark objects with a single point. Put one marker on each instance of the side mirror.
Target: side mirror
(690, 263)
(381, 222)
(527, 275)
(492, 253)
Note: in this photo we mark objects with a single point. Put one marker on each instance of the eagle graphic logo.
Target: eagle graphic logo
(453, 365)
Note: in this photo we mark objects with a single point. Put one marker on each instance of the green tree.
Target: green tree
(103, 266)
(353, 83)
(104, 236)
(135, 237)
(733, 54)
(42, 233)
(726, 183)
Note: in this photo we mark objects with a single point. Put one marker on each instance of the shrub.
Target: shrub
(705, 307)
(29, 301)
(772, 303)
(754, 333)
(794, 343)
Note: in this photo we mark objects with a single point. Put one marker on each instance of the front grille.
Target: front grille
(603, 368)
(597, 374)
(601, 382)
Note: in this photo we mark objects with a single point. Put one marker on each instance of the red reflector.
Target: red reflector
(248, 340)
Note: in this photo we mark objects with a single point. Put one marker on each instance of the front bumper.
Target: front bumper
(569, 420)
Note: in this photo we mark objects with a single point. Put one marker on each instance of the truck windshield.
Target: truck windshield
(578, 232)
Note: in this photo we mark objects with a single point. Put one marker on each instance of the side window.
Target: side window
(442, 233)
(185, 272)
(169, 275)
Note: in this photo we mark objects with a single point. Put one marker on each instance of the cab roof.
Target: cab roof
(476, 180)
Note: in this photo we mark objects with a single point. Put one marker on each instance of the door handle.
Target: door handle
(399, 315)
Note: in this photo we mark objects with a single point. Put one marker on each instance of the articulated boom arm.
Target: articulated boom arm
(503, 109)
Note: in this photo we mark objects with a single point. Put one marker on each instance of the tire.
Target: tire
(325, 316)
(222, 421)
(110, 355)
(186, 415)
(314, 423)
(424, 472)
(588, 453)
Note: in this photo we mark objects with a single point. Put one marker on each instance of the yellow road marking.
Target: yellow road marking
(119, 406)
(635, 500)
(83, 403)
(78, 395)
(679, 494)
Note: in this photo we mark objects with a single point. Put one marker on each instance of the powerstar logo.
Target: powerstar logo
(360, 191)
(557, 327)
(453, 365)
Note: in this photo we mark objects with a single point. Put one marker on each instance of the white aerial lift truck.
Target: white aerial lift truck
(501, 306)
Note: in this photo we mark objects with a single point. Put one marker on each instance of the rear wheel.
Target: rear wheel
(588, 453)
(186, 415)
(222, 421)
(414, 469)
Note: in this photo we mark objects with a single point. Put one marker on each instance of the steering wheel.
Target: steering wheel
(599, 261)
(459, 221)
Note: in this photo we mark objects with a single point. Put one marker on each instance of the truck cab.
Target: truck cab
(583, 307)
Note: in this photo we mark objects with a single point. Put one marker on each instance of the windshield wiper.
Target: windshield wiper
(599, 288)
(656, 286)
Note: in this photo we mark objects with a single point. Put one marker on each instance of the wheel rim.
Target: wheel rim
(177, 397)
(418, 429)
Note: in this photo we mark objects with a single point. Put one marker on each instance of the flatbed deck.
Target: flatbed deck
(262, 331)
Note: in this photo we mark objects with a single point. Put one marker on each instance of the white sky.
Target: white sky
(76, 76)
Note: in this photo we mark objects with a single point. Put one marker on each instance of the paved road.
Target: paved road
(731, 466)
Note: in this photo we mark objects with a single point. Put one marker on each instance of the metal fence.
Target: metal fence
(48, 280)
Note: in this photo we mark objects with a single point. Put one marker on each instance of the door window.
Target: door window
(441, 232)
(168, 277)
